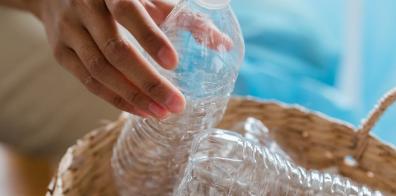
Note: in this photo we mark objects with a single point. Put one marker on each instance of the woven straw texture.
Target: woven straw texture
(313, 141)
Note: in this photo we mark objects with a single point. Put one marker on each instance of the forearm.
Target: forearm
(26, 5)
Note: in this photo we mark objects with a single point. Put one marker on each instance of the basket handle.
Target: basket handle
(368, 124)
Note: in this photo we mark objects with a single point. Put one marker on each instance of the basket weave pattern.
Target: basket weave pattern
(311, 139)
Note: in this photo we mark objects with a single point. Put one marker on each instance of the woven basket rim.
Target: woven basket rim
(308, 111)
(298, 107)
(246, 99)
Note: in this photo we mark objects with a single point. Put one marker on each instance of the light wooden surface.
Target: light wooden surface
(22, 175)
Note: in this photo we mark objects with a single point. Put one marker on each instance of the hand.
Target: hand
(86, 41)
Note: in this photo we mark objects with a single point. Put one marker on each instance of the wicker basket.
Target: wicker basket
(313, 140)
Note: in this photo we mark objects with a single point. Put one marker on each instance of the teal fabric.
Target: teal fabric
(291, 54)
(294, 49)
(289, 36)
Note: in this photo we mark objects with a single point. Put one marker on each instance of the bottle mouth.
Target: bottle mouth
(213, 4)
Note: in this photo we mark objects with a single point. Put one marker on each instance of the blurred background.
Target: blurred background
(336, 57)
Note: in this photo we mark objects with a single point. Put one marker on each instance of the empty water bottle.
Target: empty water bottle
(255, 131)
(150, 153)
(225, 163)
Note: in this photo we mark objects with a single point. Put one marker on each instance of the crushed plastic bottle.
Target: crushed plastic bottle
(255, 131)
(150, 154)
(225, 163)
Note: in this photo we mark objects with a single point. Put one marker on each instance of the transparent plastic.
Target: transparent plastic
(225, 163)
(213, 3)
(150, 154)
(255, 131)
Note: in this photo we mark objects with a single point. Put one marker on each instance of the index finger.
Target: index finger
(134, 17)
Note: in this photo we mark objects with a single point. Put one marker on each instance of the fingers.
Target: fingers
(202, 28)
(204, 31)
(72, 63)
(133, 16)
(158, 10)
(102, 71)
(131, 64)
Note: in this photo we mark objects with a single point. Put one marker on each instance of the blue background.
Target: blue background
(295, 49)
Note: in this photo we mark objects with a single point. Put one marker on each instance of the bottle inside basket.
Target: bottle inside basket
(225, 163)
(150, 153)
(256, 132)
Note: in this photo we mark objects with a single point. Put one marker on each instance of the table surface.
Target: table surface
(23, 175)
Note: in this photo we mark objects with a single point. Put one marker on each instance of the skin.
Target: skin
(86, 41)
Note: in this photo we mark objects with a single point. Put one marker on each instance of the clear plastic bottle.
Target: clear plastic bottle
(225, 163)
(255, 131)
(149, 153)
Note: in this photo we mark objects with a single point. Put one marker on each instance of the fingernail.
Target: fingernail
(175, 104)
(157, 110)
(165, 56)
